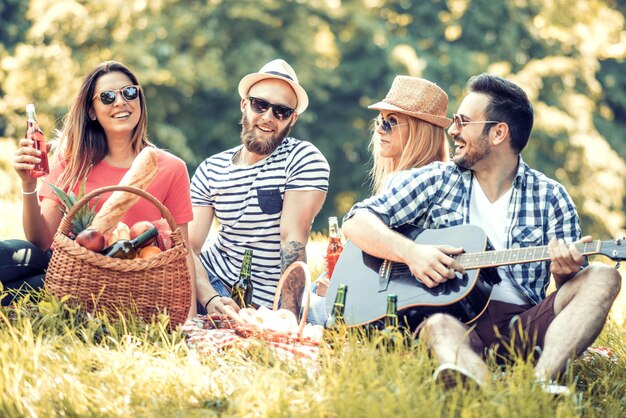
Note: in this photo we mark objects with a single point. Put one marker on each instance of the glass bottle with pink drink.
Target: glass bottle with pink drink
(39, 141)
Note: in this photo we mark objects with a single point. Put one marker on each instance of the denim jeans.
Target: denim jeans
(317, 308)
(219, 287)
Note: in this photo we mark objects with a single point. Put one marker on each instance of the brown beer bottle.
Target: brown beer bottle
(36, 134)
(242, 290)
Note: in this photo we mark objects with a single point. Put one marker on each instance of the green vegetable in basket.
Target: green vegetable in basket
(85, 214)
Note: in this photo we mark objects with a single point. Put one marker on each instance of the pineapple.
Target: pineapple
(82, 219)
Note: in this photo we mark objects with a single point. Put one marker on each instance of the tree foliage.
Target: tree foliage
(189, 56)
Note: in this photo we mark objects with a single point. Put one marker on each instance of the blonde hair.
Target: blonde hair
(82, 141)
(425, 143)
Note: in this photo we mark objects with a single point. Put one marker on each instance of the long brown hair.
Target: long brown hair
(425, 143)
(83, 142)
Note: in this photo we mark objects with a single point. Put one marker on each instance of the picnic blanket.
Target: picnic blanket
(214, 334)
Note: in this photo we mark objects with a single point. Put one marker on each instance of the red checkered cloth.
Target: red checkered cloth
(591, 354)
(164, 237)
(214, 334)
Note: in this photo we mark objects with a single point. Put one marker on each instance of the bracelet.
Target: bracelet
(28, 193)
(210, 299)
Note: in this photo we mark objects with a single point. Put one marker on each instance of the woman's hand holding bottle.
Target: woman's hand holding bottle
(31, 159)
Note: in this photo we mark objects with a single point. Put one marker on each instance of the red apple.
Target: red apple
(139, 228)
(91, 239)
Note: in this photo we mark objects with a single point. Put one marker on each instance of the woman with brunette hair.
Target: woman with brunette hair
(103, 132)
(410, 129)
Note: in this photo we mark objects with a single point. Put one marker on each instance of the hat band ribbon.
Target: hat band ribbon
(280, 74)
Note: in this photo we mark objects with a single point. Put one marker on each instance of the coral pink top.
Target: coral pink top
(170, 187)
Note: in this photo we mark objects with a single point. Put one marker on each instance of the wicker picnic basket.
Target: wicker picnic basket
(98, 283)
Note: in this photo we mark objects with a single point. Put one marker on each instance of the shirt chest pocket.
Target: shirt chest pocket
(270, 201)
(442, 217)
(526, 236)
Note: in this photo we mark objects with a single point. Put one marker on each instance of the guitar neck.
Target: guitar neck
(518, 256)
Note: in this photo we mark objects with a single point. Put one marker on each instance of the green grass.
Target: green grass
(59, 361)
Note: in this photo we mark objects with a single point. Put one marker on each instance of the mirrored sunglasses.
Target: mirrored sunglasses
(387, 125)
(107, 97)
(261, 106)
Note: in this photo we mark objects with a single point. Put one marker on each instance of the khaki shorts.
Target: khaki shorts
(510, 330)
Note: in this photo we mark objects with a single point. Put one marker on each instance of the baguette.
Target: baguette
(141, 174)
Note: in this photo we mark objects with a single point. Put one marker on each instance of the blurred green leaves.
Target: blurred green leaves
(189, 56)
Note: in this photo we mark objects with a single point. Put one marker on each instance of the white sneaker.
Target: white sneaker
(451, 376)
(554, 389)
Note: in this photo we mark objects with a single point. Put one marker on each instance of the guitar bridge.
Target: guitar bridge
(384, 272)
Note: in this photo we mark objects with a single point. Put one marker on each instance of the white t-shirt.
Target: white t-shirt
(492, 218)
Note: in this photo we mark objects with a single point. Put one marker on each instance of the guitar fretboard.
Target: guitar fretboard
(518, 255)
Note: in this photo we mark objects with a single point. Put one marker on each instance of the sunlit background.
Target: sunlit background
(189, 56)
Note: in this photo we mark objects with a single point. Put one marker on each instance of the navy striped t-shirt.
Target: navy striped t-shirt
(248, 203)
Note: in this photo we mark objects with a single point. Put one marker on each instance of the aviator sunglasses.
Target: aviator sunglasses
(107, 97)
(387, 125)
(260, 106)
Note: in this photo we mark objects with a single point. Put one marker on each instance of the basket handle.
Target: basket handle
(66, 224)
(306, 291)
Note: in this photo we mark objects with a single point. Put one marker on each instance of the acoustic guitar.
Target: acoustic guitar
(370, 278)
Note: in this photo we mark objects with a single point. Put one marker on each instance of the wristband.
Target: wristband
(209, 301)
(29, 193)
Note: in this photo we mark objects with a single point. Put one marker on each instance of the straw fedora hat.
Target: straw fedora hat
(276, 69)
(416, 97)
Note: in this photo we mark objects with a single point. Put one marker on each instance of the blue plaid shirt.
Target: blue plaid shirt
(438, 196)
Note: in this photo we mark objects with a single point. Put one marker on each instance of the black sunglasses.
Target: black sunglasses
(387, 125)
(107, 97)
(260, 106)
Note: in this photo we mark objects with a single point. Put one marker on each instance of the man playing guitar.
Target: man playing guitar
(488, 185)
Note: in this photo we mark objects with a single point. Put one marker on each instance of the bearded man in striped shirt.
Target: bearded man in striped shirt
(264, 192)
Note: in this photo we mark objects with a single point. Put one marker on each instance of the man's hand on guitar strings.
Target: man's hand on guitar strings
(565, 259)
(433, 264)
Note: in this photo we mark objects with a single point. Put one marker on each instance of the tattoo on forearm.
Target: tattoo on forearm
(293, 251)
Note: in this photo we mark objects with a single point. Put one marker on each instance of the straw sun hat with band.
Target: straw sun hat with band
(278, 69)
(416, 97)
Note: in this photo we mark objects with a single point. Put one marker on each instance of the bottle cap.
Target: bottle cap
(30, 107)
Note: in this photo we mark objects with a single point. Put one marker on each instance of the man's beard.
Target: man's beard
(479, 151)
(258, 145)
